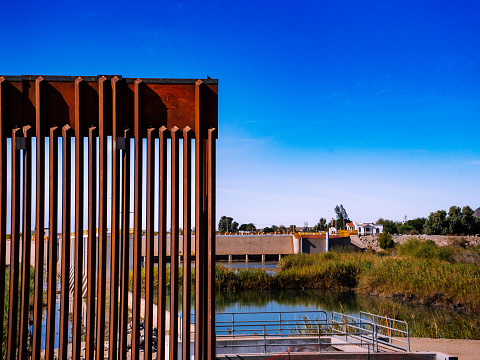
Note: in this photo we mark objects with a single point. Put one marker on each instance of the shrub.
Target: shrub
(425, 250)
(385, 240)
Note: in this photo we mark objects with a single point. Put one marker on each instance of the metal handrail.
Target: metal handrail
(282, 316)
(365, 330)
(391, 327)
(315, 333)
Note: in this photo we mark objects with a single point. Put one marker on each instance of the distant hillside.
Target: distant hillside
(477, 213)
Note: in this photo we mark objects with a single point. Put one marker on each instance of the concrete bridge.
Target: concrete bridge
(229, 247)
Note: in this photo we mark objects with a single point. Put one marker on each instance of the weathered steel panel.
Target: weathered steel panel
(99, 107)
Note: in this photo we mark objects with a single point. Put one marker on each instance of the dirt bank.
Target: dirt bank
(464, 349)
(440, 240)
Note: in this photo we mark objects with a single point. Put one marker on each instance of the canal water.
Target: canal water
(424, 321)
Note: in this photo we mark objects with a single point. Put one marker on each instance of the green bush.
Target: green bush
(385, 240)
(427, 249)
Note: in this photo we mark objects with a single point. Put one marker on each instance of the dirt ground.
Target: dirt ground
(463, 349)
(440, 240)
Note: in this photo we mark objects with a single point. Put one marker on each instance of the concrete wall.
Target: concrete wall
(254, 244)
(225, 245)
(315, 245)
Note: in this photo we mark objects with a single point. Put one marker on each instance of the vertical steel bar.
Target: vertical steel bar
(77, 306)
(187, 237)
(102, 222)
(26, 237)
(125, 248)
(162, 241)
(137, 242)
(199, 227)
(116, 119)
(40, 220)
(150, 243)
(92, 244)
(65, 287)
(14, 248)
(3, 196)
(52, 244)
(205, 329)
(211, 340)
(175, 133)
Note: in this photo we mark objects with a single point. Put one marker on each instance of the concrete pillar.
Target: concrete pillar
(279, 257)
(230, 258)
(263, 258)
(246, 258)
(327, 245)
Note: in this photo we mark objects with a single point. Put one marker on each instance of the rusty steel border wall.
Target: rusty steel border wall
(94, 107)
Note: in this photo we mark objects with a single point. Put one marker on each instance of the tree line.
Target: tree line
(228, 225)
(457, 221)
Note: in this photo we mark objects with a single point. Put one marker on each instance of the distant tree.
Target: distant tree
(226, 224)
(417, 223)
(389, 226)
(406, 229)
(247, 227)
(469, 222)
(385, 240)
(322, 224)
(274, 228)
(342, 217)
(267, 230)
(282, 229)
(437, 223)
(455, 225)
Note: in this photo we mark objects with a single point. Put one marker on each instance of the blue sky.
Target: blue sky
(374, 105)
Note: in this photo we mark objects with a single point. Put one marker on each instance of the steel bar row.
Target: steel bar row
(135, 113)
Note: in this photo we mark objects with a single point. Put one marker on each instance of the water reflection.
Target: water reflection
(269, 266)
(423, 321)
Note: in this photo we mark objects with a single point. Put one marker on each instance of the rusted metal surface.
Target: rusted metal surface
(137, 226)
(15, 244)
(26, 239)
(98, 107)
(52, 243)
(174, 286)
(187, 237)
(102, 213)
(125, 248)
(211, 166)
(116, 132)
(39, 219)
(150, 244)
(92, 245)
(66, 246)
(199, 229)
(77, 292)
(3, 195)
(162, 238)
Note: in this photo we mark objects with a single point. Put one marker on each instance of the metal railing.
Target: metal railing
(280, 321)
(394, 333)
(279, 331)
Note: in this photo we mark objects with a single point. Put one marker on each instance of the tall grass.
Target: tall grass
(418, 271)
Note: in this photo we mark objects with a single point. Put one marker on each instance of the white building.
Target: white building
(365, 228)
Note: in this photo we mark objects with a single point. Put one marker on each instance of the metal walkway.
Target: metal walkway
(309, 331)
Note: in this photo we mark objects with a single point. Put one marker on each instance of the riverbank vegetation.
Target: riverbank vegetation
(423, 321)
(417, 271)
